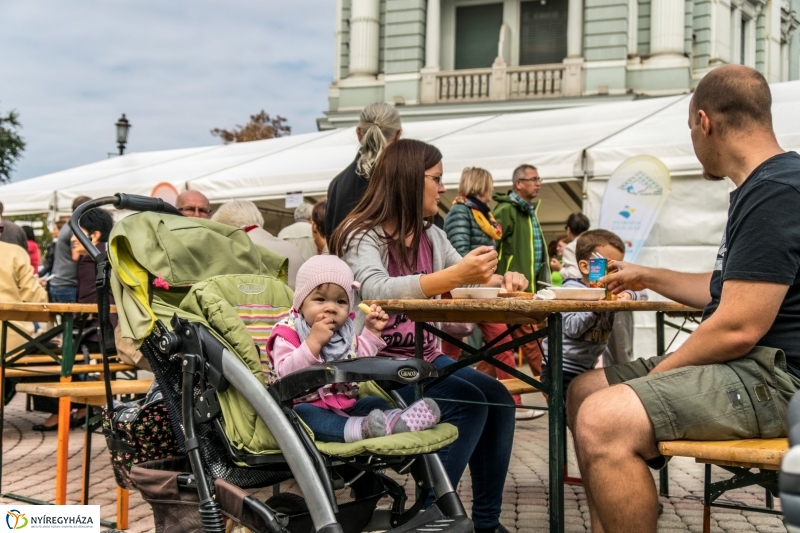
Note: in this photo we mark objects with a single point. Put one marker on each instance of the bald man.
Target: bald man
(193, 204)
(733, 378)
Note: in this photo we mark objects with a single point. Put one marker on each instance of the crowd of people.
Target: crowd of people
(379, 235)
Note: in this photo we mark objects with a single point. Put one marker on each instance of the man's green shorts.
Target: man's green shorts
(744, 398)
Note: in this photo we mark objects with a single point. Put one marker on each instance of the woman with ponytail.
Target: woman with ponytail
(378, 126)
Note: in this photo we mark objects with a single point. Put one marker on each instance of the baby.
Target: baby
(320, 329)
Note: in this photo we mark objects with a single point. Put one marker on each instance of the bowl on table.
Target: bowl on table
(474, 292)
(578, 293)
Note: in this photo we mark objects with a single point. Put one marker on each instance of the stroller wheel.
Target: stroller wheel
(287, 503)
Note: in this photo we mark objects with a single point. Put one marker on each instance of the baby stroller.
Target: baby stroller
(199, 299)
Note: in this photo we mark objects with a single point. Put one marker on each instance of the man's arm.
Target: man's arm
(746, 311)
(689, 289)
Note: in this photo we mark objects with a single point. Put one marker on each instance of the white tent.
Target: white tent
(264, 171)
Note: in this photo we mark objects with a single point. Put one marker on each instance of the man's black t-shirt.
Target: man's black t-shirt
(762, 243)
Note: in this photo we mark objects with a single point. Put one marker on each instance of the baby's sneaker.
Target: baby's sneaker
(374, 425)
(419, 416)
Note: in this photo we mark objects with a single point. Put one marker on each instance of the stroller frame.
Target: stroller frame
(203, 355)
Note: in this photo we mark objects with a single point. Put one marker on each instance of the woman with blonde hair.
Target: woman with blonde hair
(378, 127)
(470, 225)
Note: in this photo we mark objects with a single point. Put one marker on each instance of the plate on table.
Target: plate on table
(578, 293)
(475, 292)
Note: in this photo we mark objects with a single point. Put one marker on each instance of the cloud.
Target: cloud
(177, 69)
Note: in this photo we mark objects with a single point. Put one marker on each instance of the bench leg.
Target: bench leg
(62, 451)
(122, 508)
(663, 481)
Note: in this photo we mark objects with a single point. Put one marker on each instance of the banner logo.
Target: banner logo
(641, 184)
(632, 201)
(16, 519)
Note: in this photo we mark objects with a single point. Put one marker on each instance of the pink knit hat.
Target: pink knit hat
(321, 269)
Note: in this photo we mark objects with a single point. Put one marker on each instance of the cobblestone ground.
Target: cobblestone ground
(29, 469)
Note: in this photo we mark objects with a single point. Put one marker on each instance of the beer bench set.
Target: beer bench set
(36, 358)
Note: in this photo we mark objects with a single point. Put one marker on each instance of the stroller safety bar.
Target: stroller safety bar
(400, 370)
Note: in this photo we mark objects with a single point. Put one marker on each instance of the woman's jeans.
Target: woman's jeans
(485, 435)
(329, 426)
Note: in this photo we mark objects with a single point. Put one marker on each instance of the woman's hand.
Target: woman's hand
(477, 267)
(514, 281)
(555, 265)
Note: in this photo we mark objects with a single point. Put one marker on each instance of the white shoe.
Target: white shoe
(528, 414)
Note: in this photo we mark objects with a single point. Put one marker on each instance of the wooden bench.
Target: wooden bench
(738, 457)
(46, 359)
(55, 370)
(517, 386)
(90, 393)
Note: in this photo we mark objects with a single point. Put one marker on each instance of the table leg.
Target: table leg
(62, 451)
(122, 508)
(556, 423)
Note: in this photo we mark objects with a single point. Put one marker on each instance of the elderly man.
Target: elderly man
(245, 215)
(734, 377)
(299, 233)
(193, 204)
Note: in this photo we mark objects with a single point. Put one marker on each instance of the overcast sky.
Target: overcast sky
(177, 69)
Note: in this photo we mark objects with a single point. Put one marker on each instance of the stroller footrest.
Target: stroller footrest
(433, 521)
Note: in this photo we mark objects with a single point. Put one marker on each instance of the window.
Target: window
(477, 34)
(543, 32)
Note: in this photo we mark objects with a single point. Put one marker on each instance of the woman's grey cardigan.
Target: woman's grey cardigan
(367, 254)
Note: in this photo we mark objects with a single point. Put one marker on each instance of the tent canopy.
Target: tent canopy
(552, 140)
(555, 141)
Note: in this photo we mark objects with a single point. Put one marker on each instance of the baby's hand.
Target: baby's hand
(321, 332)
(376, 319)
(624, 295)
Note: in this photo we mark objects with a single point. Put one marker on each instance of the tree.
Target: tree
(261, 126)
(11, 144)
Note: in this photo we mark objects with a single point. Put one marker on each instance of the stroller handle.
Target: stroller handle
(120, 201)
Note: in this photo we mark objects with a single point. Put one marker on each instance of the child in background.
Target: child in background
(320, 329)
(586, 334)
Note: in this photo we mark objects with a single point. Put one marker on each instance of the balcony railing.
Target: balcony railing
(496, 84)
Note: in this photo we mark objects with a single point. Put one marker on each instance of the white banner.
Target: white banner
(632, 201)
(51, 518)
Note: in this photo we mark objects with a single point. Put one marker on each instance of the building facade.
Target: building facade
(453, 58)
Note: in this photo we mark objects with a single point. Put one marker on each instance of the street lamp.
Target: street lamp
(122, 133)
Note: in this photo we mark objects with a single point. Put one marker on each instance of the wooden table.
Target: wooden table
(89, 393)
(64, 315)
(515, 311)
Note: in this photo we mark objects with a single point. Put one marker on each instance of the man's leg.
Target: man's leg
(581, 388)
(613, 437)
